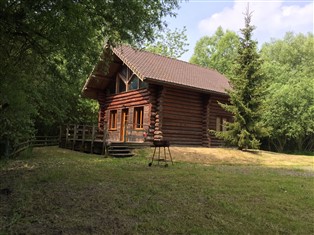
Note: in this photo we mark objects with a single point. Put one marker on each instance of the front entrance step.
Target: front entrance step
(119, 150)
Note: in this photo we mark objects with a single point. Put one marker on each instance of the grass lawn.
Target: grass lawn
(207, 191)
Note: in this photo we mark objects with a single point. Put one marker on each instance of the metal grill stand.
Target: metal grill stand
(159, 144)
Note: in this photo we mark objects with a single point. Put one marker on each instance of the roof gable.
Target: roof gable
(160, 69)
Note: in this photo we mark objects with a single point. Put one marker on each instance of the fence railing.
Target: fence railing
(38, 141)
(81, 132)
(83, 138)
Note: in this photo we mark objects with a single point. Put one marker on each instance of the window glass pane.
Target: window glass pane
(218, 124)
(133, 85)
(122, 86)
(224, 120)
(124, 71)
(112, 87)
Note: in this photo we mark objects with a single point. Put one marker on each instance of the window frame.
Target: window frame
(113, 115)
(138, 118)
(126, 77)
(220, 123)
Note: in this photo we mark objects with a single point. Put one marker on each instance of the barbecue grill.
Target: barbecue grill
(161, 144)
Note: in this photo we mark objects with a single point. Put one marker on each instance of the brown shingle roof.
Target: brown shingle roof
(157, 69)
(163, 69)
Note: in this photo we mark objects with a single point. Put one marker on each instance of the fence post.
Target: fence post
(74, 136)
(67, 136)
(60, 135)
(83, 137)
(92, 141)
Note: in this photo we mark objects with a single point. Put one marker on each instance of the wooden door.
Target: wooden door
(124, 124)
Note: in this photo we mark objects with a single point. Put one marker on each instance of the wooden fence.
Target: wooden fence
(38, 141)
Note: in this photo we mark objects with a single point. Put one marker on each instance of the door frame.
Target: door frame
(124, 124)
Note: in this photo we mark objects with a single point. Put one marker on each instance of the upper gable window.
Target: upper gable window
(112, 87)
(121, 85)
(126, 80)
(134, 83)
(124, 71)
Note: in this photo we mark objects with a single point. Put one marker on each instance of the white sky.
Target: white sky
(272, 18)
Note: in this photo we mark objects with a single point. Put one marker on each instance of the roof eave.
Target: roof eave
(201, 90)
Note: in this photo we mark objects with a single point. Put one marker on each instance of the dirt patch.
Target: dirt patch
(230, 156)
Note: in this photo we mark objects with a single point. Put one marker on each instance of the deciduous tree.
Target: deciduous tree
(169, 43)
(288, 107)
(48, 48)
(218, 51)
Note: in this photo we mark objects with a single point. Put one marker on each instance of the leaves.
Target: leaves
(289, 103)
(170, 44)
(218, 51)
(48, 48)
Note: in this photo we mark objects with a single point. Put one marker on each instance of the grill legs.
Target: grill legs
(161, 159)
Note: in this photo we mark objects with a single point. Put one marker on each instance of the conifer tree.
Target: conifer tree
(246, 130)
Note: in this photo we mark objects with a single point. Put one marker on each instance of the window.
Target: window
(134, 83)
(224, 120)
(138, 117)
(112, 87)
(121, 85)
(113, 120)
(124, 71)
(125, 80)
(221, 123)
(218, 124)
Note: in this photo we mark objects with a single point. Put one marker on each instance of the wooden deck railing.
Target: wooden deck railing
(83, 138)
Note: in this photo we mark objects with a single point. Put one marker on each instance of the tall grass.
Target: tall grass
(56, 191)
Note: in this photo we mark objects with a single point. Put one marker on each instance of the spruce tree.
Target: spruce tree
(245, 131)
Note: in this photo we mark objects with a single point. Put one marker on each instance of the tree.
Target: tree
(288, 107)
(170, 44)
(245, 96)
(48, 48)
(218, 51)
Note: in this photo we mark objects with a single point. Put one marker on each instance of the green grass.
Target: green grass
(56, 191)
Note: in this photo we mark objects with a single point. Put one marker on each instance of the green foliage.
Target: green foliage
(288, 108)
(171, 44)
(48, 48)
(218, 51)
(245, 97)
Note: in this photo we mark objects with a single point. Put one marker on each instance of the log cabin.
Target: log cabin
(148, 97)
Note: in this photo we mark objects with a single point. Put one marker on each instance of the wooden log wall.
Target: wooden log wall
(154, 132)
(205, 124)
(156, 114)
(121, 101)
(181, 116)
(214, 110)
